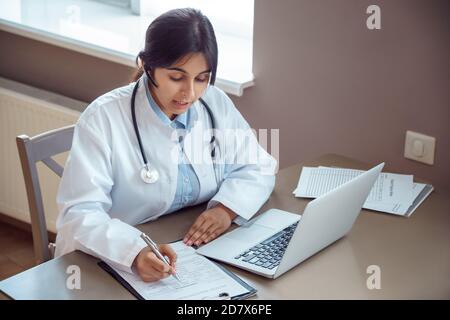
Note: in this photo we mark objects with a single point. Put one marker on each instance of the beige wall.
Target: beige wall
(326, 81)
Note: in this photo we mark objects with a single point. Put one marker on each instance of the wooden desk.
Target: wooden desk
(413, 254)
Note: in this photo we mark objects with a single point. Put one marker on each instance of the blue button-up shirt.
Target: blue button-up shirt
(188, 185)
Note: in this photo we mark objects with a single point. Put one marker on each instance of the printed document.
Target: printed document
(420, 192)
(389, 187)
(200, 279)
(391, 193)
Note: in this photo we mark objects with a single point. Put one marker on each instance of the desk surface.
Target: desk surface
(413, 255)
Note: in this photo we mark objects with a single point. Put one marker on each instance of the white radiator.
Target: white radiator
(24, 114)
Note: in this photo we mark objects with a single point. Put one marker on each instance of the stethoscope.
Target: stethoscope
(148, 173)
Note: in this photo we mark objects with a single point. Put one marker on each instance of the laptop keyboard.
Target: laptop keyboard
(268, 253)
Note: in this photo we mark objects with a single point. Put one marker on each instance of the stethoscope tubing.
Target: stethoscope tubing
(147, 167)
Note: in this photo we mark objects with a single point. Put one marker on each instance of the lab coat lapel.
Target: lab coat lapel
(160, 147)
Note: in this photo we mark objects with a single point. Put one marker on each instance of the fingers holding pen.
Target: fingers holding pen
(151, 268)
(166, 250)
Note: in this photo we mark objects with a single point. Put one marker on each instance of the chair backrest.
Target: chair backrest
(32, 150)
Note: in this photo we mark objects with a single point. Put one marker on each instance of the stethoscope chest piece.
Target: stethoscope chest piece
(149, 175)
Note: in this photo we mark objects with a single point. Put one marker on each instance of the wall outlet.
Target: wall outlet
(420, 147)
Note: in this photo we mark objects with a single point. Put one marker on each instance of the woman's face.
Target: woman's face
(181, 84)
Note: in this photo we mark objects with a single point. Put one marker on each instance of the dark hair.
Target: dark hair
(173, 35)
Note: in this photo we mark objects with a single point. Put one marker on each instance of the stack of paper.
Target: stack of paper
(392, 193)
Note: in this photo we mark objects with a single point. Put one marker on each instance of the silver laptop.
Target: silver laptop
(276, 241)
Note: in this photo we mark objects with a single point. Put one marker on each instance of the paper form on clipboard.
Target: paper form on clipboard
(200, 279)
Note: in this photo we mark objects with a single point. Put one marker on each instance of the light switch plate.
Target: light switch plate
(420, 147)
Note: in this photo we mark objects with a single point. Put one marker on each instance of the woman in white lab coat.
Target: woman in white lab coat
(110, 184)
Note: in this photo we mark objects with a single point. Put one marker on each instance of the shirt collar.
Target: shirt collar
(180, 119)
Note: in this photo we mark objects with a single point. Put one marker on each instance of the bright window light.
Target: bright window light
(115, 29)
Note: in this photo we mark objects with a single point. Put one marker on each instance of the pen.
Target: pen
(155, 250)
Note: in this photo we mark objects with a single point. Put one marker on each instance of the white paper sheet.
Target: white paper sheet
(399, 208)
(388, 189)
(200, 279)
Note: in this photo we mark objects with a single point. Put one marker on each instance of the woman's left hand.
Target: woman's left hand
(209, 225)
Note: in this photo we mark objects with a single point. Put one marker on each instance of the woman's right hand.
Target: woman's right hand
(150, 268)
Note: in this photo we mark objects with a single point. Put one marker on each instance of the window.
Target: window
(115, 29)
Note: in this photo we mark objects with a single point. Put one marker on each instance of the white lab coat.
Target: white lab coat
(101, 195)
